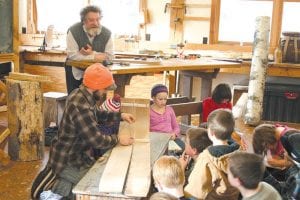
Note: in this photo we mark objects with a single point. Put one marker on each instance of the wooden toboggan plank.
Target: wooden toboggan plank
(115, 172)
(139, 174)
(128, 169)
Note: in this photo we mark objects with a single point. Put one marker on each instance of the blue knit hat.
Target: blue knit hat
(157, 89)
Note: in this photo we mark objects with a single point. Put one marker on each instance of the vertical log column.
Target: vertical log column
(258, 71)
(25, 116)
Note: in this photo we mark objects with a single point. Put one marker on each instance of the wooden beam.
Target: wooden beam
(16, 39)
(214, 21)
(28, 77)
(177, 12)
(276, 23)
(189, 18)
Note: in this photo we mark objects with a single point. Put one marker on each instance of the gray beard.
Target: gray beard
(93, 31)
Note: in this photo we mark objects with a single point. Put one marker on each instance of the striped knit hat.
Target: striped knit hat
(112, 104)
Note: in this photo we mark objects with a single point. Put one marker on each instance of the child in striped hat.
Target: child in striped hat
(112, 104)
(109, 117)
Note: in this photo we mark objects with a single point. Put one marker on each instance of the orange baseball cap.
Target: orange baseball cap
(98, 77)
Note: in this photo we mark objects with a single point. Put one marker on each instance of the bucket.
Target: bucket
(291, 47)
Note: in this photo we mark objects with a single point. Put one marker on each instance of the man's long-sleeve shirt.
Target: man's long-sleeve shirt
(78, 133)
(74, 54)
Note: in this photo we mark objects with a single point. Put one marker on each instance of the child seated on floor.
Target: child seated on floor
(168, 176)
(208, 180)
(221, 98)
(109, 118)
(245, 172)
(162, 117)
(196, 141)
(268, 141)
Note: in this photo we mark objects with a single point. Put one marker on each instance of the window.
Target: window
(120, 16)
(290, 15)
(60, 13)
(237, 18)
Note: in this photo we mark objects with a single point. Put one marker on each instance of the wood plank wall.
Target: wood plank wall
(56, 74)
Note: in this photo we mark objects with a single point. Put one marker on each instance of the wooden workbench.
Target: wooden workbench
(205, 68)
(88, 186)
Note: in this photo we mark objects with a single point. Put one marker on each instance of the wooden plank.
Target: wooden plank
(215, 20)
(56, 74)
(276, 23)
(88, 186)
(140, 109)
(177, 10)
(190, 18)
(28, 77)
(16, 34)
(4, 135)
(189, 108)
(89, 62)
(198, 5)
(115, 172)
(139, 175)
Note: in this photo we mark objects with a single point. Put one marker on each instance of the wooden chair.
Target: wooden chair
(187, 110)
(185, 107)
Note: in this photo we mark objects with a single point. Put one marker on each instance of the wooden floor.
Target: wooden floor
(17, 177)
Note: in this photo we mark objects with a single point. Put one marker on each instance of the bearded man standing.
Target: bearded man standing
(87, 40)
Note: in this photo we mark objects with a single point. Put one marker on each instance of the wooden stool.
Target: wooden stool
(54, 105)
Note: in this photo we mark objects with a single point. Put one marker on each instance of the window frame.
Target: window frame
(276, 25)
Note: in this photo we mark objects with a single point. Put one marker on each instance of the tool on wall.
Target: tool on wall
(177, 11)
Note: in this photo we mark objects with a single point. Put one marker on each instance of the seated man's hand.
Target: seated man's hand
(125, 139)
(128, 117)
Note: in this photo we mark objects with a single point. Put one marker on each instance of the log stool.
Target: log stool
(54, 105)
(25, 116)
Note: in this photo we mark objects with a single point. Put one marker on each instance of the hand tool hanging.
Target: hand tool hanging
(177, 11)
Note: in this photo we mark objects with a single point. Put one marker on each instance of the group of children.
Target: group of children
(212, 165)
(221, 170)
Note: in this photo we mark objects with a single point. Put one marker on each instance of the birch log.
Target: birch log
(258, 71)
(25, 120)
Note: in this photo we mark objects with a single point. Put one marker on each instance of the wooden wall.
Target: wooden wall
(56, 74)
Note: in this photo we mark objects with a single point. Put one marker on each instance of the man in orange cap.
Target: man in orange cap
(70, 151)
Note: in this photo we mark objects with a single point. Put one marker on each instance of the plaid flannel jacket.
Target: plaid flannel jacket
(78, 133)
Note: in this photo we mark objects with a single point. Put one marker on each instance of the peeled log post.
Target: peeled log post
(25, 117)
(258, 71)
